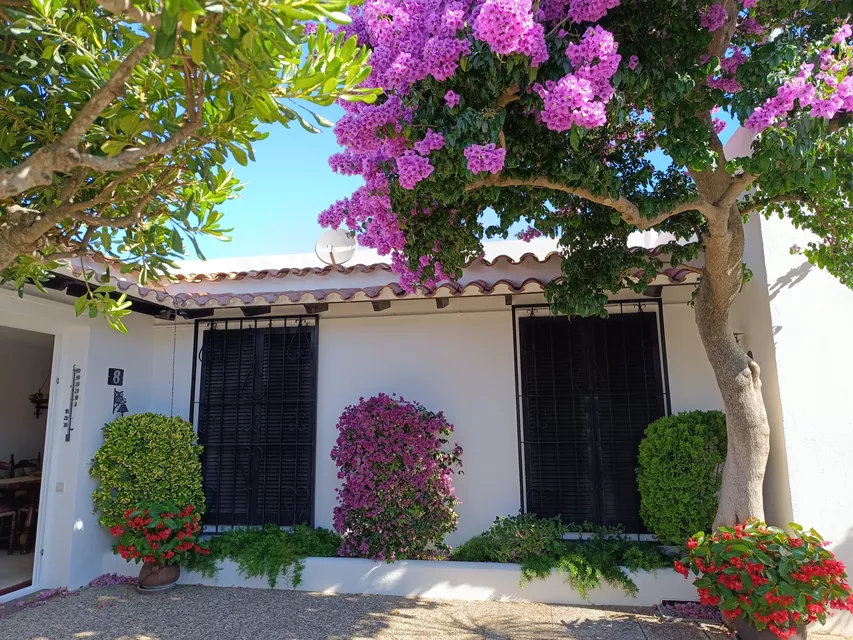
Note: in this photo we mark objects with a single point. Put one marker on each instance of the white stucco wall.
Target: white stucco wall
(25, 361)
(461, 364)
(811, 316)
(691, 379)
(458, 360)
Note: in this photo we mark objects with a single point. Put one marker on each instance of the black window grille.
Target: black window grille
(588, 388)
(257, 395)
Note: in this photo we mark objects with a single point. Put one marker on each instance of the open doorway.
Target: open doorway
(25, 369)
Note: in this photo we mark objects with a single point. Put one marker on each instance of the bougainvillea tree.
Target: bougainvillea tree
(396, 500)
(116, 118)
(550, 111)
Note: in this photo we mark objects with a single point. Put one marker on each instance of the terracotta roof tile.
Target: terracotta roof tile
(359, 268)
(190, 290)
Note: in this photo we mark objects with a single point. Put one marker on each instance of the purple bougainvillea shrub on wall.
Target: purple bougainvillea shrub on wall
(397, 499)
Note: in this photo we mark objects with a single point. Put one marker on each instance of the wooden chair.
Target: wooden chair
(7, 469)
(27, 507)
(26, 520)
(25, 467)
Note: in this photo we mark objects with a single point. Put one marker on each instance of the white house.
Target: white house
(263, 354)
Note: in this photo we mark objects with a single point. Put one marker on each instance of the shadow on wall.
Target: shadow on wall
(794, 277)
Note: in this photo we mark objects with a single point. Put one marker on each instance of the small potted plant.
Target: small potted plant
(161, 536)
(767, 584)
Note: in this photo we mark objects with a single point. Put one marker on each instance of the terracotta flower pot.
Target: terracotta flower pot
(747, 632)
(158, 577)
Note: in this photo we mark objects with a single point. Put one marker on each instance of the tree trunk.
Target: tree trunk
(8, 254)
(737, 376)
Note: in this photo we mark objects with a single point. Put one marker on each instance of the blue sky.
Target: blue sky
(286, 188)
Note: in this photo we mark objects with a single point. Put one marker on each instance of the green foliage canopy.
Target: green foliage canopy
(659, 70)
(116, 118)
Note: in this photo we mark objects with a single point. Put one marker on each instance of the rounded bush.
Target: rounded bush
(681, 461)
(396, 500)
(146, 457)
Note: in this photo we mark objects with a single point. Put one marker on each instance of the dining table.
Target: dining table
(31, 484)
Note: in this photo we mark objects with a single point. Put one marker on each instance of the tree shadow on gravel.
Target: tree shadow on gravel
(218, 613)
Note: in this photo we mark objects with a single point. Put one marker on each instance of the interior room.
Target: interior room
(25, 369)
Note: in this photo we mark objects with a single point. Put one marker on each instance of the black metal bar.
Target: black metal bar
(664, 359)
(556, 420)
(315, 343)
(195, 362)
(296, 438)
(520, 437)
(222, 436)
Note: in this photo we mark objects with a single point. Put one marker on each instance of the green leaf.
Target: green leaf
(308, 126)
(129, 123)
(80, 304)
(330, 84)
(338, 17)
(113, 147)
(323, 122)
(169, 22)
(164, 43)
(197, 49)
(307, 82)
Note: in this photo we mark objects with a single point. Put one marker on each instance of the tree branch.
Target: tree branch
(126, 9)
(760, 204)
(737, 186)
(113, 89)
(39, 168)
(629, 211)
(510, 94)
(63, 157)
(129, 158)
(723, 36)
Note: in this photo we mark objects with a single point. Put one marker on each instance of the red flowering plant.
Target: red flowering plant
(161, 533)
(767, 578)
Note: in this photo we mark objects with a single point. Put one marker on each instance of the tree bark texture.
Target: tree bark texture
(738, 379)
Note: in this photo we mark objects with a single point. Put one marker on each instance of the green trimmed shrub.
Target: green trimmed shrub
(681, 460)
(146, 457)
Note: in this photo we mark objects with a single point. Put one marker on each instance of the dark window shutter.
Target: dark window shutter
(557, 435)
(630, 397)
(589, 388)
(257, 401)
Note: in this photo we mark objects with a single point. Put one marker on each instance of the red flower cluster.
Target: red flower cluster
(780, 582)
(159, 533)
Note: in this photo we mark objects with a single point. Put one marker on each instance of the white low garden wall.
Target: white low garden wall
(450, 580)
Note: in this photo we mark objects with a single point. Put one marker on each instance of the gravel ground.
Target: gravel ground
(203, 613)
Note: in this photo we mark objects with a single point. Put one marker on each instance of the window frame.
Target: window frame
(261, 325)
(646, 305)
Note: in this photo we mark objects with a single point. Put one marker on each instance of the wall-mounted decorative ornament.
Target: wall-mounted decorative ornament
(39, 399)
(72, 402)
(119, 402)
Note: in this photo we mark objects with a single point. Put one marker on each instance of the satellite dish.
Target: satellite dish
(335, 247)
